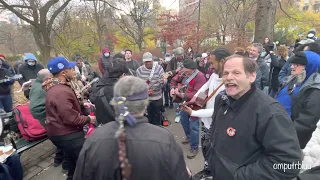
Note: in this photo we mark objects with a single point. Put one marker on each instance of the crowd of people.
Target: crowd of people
(257, 108)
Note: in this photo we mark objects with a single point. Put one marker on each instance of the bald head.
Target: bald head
(43, 74)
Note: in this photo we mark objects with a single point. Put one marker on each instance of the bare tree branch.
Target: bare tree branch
(21, 16)
(280, 6)
(56, 13)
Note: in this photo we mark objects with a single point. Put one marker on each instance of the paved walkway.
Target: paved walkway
(37, 159)
(38, 162)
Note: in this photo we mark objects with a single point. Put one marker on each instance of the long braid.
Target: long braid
(125, 166)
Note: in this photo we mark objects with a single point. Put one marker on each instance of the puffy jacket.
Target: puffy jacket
(305, 109)
(312, 151)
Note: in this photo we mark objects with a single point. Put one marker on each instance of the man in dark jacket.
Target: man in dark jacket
(104, 111)
(251, 135)
(140, 151)
(5, 90)
(132, 64)
(300, 94)
(29, 70)
(64, 122)
(262, 79)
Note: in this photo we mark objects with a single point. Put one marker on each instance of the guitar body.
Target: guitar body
(199, 103)
(177, 99)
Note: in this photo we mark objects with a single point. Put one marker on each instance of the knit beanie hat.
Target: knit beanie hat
(300, 58)
(190, 64)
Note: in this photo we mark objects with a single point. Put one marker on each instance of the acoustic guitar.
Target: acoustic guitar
(8, 78)
(182, 89)
(202, 99)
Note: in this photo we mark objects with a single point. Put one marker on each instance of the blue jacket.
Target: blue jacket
(311, 68)
(285, 71)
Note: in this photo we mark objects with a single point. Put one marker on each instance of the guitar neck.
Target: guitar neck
(89, 84)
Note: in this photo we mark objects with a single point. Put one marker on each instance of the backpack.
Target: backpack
(29, 127)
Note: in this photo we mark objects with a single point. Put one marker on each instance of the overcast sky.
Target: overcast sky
(170, 4)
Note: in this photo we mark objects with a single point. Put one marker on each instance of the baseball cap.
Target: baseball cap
(204, 55)
(58, 64)
(147, 57)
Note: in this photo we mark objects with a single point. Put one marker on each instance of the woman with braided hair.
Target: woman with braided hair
(130, 148)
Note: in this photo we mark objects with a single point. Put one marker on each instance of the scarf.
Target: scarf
(47, 84)
(84, 70)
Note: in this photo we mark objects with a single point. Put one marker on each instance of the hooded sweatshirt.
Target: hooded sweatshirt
(311, 67)
(29, 72)
(104, 62)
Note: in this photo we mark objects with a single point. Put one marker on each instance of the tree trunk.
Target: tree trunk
(43, 42)
(265, 19)
(45, 54)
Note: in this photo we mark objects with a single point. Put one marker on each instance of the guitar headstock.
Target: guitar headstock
(17, 76)
(95, 79)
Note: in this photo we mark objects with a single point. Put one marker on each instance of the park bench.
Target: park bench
(20, 144)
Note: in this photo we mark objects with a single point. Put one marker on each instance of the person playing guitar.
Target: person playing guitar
(209, 90)
(191, 79)
(153, 74)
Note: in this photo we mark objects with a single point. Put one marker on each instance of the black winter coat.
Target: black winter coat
(5, 86)
(275, 67)
(305, 109)
(103, 115)
(152, 152)
(264, 136)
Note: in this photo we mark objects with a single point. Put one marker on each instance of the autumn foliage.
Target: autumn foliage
(175, 27)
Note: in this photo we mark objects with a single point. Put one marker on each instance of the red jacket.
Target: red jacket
(195, 84)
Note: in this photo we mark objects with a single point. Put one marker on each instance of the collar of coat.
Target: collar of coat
(236, 104)
(46, 85)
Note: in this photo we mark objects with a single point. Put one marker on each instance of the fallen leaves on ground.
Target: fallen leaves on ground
(19, 98)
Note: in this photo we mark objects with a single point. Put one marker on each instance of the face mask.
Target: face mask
(155, 63)
(106, 54)
(263, 54)
(31, 63)
(167, 59)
